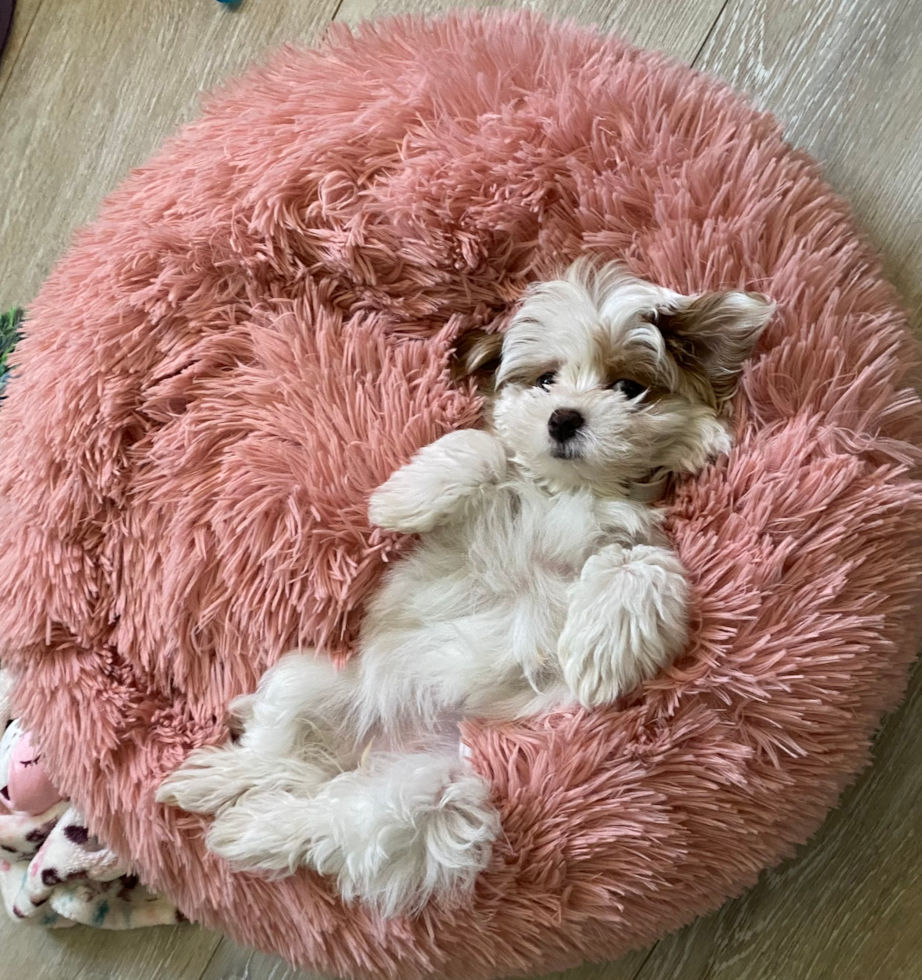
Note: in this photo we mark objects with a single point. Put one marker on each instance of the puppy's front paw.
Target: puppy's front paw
(425, 492)
(390, 507)
(627, 618)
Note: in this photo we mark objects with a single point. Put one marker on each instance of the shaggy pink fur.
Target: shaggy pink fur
(254, 334)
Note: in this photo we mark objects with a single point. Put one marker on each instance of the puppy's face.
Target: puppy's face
(604, 378)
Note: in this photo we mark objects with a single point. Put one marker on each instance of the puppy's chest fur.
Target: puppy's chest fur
(475, 612)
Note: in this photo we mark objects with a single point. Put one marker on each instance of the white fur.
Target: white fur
(6, 698)
(626, 617)
(538, 582)
(451, 469)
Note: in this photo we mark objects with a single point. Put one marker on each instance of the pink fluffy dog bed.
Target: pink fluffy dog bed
(255, 333)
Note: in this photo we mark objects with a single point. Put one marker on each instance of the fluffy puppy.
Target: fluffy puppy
(542, 579)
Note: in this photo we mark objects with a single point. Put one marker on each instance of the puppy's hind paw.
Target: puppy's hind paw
(208, 780)
(397, 846)
(262, 831)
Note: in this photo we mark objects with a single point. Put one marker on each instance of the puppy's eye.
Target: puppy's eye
(546, 380)
(629, 388)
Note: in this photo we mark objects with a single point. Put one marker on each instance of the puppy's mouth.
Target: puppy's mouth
(565, 450)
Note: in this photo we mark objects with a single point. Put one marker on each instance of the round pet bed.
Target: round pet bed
(256, 332)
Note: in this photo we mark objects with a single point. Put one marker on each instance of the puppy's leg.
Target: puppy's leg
(215, 778)
(627, 618)
(429, 489)
(301, 698)
(405, 829)
(290, 740)
(396, 832)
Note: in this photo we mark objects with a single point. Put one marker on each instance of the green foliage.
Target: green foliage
(9, 336)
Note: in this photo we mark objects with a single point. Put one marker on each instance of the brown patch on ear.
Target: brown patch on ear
(712, 335)
(476, 354)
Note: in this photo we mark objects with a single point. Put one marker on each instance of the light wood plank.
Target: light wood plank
(626, 968)
(845, 77)
(678, 29)
(232, 962)
(79, 953)
(94, 87)
(22, 24)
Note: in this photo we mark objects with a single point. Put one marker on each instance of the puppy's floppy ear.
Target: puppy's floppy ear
(712, 335)
(477, 353)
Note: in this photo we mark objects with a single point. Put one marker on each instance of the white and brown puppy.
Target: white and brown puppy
(541, 579)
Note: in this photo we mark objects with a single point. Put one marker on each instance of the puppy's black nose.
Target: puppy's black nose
(564, 424)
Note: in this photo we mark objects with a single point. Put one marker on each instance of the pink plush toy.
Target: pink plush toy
(24, 784)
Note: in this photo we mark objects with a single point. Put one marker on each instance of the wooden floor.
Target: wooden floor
(89, 87)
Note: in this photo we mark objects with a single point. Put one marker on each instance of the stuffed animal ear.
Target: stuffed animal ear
(713, 334)
(477, 354)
